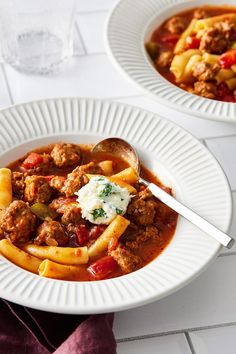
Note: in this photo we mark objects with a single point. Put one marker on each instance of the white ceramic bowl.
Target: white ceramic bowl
(177, 158)
(129, 25)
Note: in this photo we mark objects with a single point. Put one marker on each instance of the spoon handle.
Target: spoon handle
(190, 215)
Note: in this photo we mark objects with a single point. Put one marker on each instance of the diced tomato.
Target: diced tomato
(102, 268)
(113, 243)
(170, 38)
(96, 231)
(49, 178)
(32, 160)
(82, 234)
(228, 59)
(192, 43)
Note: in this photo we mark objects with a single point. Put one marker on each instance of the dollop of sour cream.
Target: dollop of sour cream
(101, 200)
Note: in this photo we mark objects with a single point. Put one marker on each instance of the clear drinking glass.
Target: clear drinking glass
(36, 35)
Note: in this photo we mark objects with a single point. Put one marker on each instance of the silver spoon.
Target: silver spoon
(123, 149)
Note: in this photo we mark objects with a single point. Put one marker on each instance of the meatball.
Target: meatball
(217, 39)
(205, 71)
(18, 182)
(151, 232)
(72, 215)
(62, 203)
(51, 233)
(200, 13)
(142, 208)
(127, 261)
(176, 25)
(57, 182)
(37, 189)
(205, 89)
(75, 180)
(18, 222)
(65, 155)
(164, 60)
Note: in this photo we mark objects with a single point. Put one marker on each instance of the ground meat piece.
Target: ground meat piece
(142, 208)
(37, 189)
(200, 13)
(91, 167)
(176, 25)
(18, 182)
(75, 180)
(227, 28)
(66, 155)
(217, 39)
(205, 71)
(143, 236)
(127, 261)
(72, 215)
(164, 60)
(57, 182)
(18, 222)
(205, 89)
(62, 203)
(51, 233)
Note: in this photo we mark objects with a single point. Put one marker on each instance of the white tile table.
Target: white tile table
(201, 318)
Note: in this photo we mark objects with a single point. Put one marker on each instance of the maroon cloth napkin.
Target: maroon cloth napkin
(27, 331)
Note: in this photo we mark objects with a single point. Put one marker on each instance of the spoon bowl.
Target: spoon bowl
(121, 148)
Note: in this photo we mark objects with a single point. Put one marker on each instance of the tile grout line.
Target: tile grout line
(190, 343)
(181, 331)
(7, 83)
(226, 254)
(80, 38)
(220, 137)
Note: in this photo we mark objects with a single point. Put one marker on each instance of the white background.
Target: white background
(201, 318)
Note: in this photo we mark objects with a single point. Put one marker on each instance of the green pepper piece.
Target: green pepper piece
(42, 211)
(153, 49)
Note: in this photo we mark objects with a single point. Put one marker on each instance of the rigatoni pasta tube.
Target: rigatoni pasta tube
(63, 255)
(187, 74)
(107, 167)
(210, 21)
(122, 184)
(128, 175)
(210, 58)
(180, 61)
(5, 188)
(180, 45)
(116, 228)
(223, 75)
(54, 270)
(19, 257)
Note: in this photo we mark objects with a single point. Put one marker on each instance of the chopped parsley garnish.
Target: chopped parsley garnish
(100, 179)
(119, 211)
(98, 213)
(106, 190)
